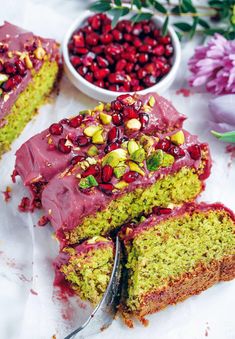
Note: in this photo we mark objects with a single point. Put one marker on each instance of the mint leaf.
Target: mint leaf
(226, 137)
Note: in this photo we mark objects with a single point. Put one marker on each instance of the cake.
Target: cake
(86, 268)
(176, 253)
(28, 71)
(42, 157)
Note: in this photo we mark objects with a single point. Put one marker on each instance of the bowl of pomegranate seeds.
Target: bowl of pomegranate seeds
(102, 61)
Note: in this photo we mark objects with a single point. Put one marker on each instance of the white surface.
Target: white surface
(27, 251)
(103, 94)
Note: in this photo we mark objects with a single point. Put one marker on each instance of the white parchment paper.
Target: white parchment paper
(29, 306)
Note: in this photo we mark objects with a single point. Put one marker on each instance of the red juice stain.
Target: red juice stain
(6, 194)
(184, 91)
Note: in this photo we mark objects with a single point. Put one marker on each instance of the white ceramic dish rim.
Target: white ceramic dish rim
(157, 87)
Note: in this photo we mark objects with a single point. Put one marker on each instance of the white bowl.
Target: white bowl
(105, 95)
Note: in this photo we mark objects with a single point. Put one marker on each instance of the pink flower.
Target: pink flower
(214, 66)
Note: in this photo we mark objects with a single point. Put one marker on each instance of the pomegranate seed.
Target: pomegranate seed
(145, 49)
(149, 41)
(78, 40)
(159, 50)
(176, 151)
(113, 134)
(94, 67)
(137, 42)
(130, 56)
(116, 105)
(81, 50)
(134, 82)
(107, 173)
(150, 80)
(62, 147)
(117, 35)
(168, 50)
(106, 38)
(89, 77)
(111, 147)
(195, 152)
(56, 129)
(97, 49)
(129, 67)
(82, 70)
(107, 28)
(110, 59)
(143, 58)
(130, 176)
(165, 40)
(106, 188)
(24, 205)
(64, 121)
(92, 39)
(144, 119)
(161, 210)
(88, 59)
(146, 29)
(82, 140)
(95, 22)
(163, 144)
(125, 99)
(141, 73)
(99, 83)
(120, 65)
(128, 37)
(117, 118)
(166, 68)
(43, 221)
(20, 66)
(10, 68)
(14, 175)
(101, 73)
(11, 83)
(91, 170)
(76, 159)
(75, 61)
(137, 29)
(114, 49)
(76, 121)
(102, 62)
(130, 113)
(117, 77)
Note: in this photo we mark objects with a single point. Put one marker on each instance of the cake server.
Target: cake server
(105, 311)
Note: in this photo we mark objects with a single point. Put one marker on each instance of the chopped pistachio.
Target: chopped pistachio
(91, 160)
(91, 130)
(108, 106)
(121, 185)
(168, 160)
(88, 182)
(3, 78)
(28, 62)
(98, 138)
(99, 107)
(92, 151)
(134, 167)
(151, 101)
(124, 144)
(147, 142)
(154, 161)
(178, 138)
(105, 118)
(85, 112)
(119, 171)
(132, 146)
(133, 124)
(114, 157)
(146, 108)
(142, 218)
(39, 53)
(139, 155)
(96, 238)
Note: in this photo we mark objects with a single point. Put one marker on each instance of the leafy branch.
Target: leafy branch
(220, 11)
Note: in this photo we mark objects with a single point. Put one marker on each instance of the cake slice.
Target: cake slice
(28, 71)
(86, 268)
(45, 155)
(99, 193)
(177, 253)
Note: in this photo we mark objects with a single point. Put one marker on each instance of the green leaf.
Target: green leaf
(118, 2)
(165, 26)
(187, 6)
(176, 10)
(216, 3)
(183, 26)
(226, 137)
(203, 23)
(159, 7)
(212, 31)
(116, 13)
(137, 3)
(101, 6)
(141, 16)
(194, 26)
(180, 36)
(230, 35)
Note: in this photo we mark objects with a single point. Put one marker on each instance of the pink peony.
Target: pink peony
(214, 65)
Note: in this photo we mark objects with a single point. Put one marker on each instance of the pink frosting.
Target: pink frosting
(17, 39)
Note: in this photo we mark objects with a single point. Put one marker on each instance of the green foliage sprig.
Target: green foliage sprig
(220, 11)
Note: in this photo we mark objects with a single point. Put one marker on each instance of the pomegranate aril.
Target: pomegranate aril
(117, 118)
(143, 58)
(117, 77)
(130, 113)
(113, 134)
(11, 83)
(89, 77)
(95, 22)
(137, 42)
(75, 61)
(82, 70)
(81, 50)
(62, 147)
(102, 62)
(149, 80)
(117, 35)
(130, 176)
(88, 59)
(10, 68)
(141, 73)
(99, 83)
(91, 170)
(107, 28)
(114, 49)
(101, 73)
(145, 49)
(194, 152)
(165, 40)
(106, 188)
(82, 140)
(64, 121)
(144, 119)
(129, 67)
(165, 69)
(76, 121)
(107, 173)
(92, 39)
(94, 67)
(163, 144)
(128, 37)
(137, 29)
(176, 151)
(161, 210)
(97, 49)
(106, 38)
(159, 50)
(76, 159)
(168, 50)
(24, 205)
(78, 40)
(21, 68)
(116, 105)
(149, 41)
(120, 65)
(111, 147)
(56, 129)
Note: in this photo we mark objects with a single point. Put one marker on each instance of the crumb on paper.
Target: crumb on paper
(33, 292)
(6, 193)
(53, 337)
(184, 91)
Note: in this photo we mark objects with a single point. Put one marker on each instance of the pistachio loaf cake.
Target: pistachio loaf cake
(28, 71)
(86, 268)
(72, 140)
(176, 253)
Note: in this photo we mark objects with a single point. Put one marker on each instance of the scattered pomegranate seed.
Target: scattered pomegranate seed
(56, 129)
(62, 147)
(195, 152)
(161, 210)
(164, 145)
(7, 194)
(130, 112)
(14, 175)
(117, 118)
(11, 83)
(43, 221)
(113, 134)
(106, 188)
(111, 147)
(107, 173)
(82, 140)
(76, 159)
(91, 170)
(24, 205)
(116, 105)
(76, 121)
(64, 121)
(143, 58)
(130, 176)
(21, 68)
(176, 151)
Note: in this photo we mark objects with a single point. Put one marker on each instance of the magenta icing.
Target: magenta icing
(16, 39)
(66, 205)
